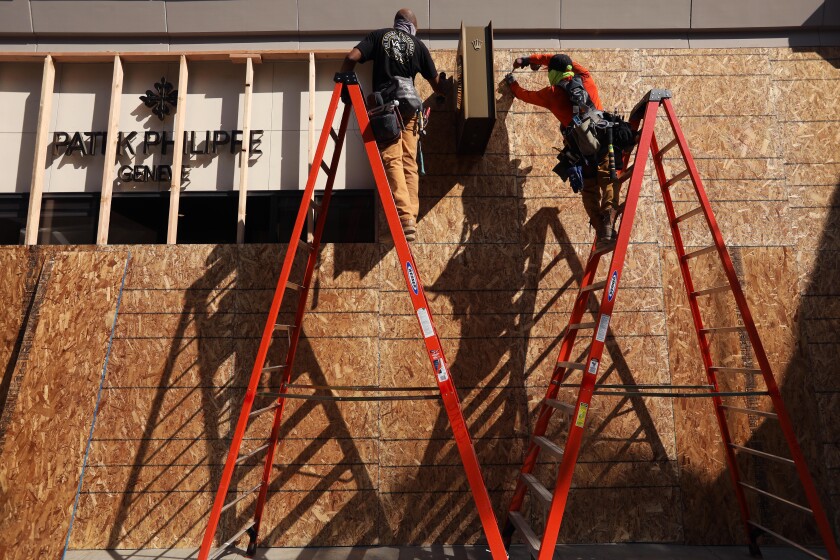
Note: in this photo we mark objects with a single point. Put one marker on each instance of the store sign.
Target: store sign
(210, 143)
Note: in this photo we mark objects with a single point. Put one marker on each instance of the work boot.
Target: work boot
(606, 233)
(409, 229)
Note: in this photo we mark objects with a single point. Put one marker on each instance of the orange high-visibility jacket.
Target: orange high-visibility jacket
(555, 98)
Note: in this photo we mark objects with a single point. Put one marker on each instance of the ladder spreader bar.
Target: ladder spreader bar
(222, 549)
(689, 214)
(242, 496)
(709, 330)
(540, 491)
(699, 252)
(293, 286)
(786, 540)
(720, 369)
(549, 446)
(261, 411)
(676, 178)
(751, 411)
(777, 498)
(594, 286)
(762, 454)
(273, 368)
(287, 328)
(709, 291)
(244, 458)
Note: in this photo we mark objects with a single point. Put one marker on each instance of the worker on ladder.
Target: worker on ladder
(398, 56)
(585, 161)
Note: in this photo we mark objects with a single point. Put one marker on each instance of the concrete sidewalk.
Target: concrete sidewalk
(518, 552)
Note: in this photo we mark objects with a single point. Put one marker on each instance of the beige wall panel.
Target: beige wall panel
(84, 287)
(577, 14)
(449, 15)
(718, 14)
(322, 15)
(249, 17)
(17, 151)
(16, 17)
(75, 17)
(21, 87)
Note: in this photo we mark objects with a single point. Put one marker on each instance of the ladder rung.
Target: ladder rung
(699, 252)
(221, 550)
(722, 329)
(777, 498)
(325, 167)
(581, 326)
(528, 534)
(666, 148)
(594, 286)
(709, 291)
(549, 446)
(304, 245)
(798, 546)
(566, 408)
(610, 247)
(626, 174)
(273, 368)
(333, 134)
(571, 365)
(293, 286)
(687, 215)
(261, 411)
(762, 454)
(314, 205)
(242, 497)
(678, 177)
(244, 458)
(540, 491)
(287, 328)
(750, 411)
(734, 369)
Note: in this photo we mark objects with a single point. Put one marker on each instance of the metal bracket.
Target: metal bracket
(346, 78)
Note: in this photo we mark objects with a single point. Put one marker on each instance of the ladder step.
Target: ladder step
(325, 167)
(594, 286)
(540, 491)
(566, 408)
(261, 411)
(666, 148)
(571, 365)
(244, 458)
(699, 252)
(550, 447)
(676, 178)
(287, 328)
(762, 454)
(293, 286)
(333, 134)
(581, 326)
(734, 370)
(313, 205)
(528, 534)
(221, 550)
(777, 498)
(626, 174)
(709, 291)
(722, 329)
(304, 245)
(750, 411)
(786, 540)
(242, 497)
(273, 368)
(687, 215)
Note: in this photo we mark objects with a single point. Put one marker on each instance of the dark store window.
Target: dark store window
(13, 208)
(139, 218)
(207, 217)
(271, 216)
(69, 219)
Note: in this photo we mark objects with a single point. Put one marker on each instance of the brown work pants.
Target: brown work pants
(598, 192)
(400, 161)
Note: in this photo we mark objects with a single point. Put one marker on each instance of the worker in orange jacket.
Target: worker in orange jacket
(600, 198)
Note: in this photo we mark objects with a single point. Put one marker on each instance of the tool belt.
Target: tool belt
(385, 121)
(402, 90)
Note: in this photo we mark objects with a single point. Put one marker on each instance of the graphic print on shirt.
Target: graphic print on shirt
(398, 46)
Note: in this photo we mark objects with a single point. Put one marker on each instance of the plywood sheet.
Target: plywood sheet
(65, 366)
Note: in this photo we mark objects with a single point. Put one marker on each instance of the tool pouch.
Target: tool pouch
(402, 90)
(384, 120)
(584, 134)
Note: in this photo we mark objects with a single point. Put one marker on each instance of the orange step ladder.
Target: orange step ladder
(348, 84)
(553, 502)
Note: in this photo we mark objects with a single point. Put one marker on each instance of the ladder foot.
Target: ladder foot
(252, 543)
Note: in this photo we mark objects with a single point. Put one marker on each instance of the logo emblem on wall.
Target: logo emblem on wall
(476, 44)
(161, 101)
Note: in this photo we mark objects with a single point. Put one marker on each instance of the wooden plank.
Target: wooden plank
(245, 154)
(170, 56)
(110, 153)
(178, 155)
(310, 219)
(42, 139)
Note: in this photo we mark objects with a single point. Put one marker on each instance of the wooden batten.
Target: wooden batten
(245, 154)
(110, 154)
(310, 219)
(42, 139)
(178, 155)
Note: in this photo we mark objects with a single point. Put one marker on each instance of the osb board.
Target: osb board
(16, 279)
(46, 435)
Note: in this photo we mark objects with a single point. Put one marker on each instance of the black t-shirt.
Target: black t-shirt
(395, 53)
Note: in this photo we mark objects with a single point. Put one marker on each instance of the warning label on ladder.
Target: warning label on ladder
(603, 325)
(425, 322)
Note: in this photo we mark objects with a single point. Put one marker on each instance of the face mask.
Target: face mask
(555, 76)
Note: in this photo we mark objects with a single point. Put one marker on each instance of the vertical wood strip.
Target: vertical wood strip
(310, 220)
(245, 154)
(178, 156)
(110, 153)
(36, 189)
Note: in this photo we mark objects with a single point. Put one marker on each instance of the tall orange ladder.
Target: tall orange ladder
(554, 501)
(348, 85)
